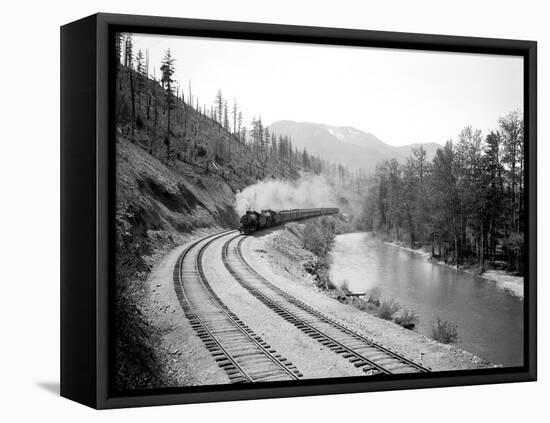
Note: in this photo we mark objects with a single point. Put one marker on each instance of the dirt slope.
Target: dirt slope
(157, 206)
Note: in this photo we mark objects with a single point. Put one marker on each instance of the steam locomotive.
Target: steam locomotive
(253, 221)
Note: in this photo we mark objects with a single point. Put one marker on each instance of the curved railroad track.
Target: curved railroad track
(243, 355)
(363, 352)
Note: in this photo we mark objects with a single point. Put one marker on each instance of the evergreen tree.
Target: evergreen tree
(225, 116)
(239, 127)
(129, 51)
(235, 113)
(141, 76)
(167, 70)
(467, 202)
(219, 106)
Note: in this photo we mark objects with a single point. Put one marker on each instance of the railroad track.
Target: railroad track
(241, 353)
(363, 352)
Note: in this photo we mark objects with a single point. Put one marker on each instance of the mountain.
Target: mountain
(345, 144)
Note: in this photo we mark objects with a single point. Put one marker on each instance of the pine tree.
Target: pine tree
(141, 76)
(167, 70)
(129, 53)
(234, 111)
(274, 151)
(225, 116)
(494, 192)
(265, 141)
(219, 106)
(128, 61)
(119, 40)
(239, 127)
(243, 131)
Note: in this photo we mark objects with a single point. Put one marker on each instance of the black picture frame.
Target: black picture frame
(87, 204)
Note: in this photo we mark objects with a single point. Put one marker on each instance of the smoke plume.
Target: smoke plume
(307, 192)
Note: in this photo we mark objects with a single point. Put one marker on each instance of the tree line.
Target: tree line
(468, 202)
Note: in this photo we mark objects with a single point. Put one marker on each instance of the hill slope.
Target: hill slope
(168, 184)
(346, 145)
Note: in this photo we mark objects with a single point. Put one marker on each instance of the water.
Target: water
(490, 321)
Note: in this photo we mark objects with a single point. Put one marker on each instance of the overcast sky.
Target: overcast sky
(401, 96)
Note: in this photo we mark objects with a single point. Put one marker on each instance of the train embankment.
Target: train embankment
(280, 256)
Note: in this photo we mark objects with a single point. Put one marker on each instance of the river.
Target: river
(490, 320)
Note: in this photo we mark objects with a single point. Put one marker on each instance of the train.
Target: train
(253, 221)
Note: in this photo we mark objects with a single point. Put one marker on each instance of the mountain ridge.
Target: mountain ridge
(345, 144)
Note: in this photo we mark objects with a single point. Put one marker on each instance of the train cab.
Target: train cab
(250, 222)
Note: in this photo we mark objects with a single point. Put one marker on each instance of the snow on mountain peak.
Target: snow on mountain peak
(336, 133)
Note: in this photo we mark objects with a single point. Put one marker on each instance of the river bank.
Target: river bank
(488, 320)
(505, 280)
(280, 257)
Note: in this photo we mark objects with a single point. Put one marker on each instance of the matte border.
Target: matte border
(107, 24)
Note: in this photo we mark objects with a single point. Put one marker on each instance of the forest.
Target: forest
(467, 203)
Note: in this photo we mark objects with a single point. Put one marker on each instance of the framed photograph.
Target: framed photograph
(255, 211)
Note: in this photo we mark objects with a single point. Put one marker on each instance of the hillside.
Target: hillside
(346, 145)
(173, 180)
(169, 185)
(178, 171)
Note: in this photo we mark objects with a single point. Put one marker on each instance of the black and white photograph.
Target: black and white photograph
(275, 212)
(293, 211)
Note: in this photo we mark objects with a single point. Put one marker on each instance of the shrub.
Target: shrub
(345, 287)
(374, 297)
(364, 305)
(201, 151)
(407, 319)
(139, 122)
(294, 229)
(324, 282)
(444, 331)
(387, 309)
(319, 235)
(318, 268)
(314, 241)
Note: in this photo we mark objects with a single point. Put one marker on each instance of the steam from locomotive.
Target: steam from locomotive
(253, 221)
(310, 191)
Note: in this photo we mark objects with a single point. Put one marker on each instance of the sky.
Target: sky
(401, 96)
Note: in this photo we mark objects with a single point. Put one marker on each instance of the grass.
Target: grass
(387, 309)
(444, 331)
(407, 319)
